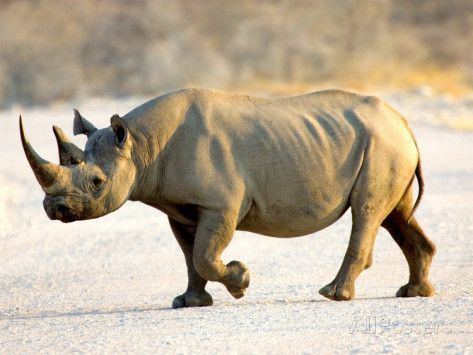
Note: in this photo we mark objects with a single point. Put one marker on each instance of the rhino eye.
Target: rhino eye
(97, 182)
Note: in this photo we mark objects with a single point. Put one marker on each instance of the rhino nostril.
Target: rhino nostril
(62, 210)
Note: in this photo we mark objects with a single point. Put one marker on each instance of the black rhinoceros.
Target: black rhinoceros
(216, 162)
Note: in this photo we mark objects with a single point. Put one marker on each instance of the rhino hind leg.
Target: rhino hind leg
(416, 246)
(358, 257)
(195, 295)
(214, 233)
(369, 260)
(375, 193)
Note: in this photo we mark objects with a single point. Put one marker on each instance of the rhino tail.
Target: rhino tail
(420, 181)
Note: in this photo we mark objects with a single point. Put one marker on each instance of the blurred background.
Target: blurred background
(104, 286)
(71, 50)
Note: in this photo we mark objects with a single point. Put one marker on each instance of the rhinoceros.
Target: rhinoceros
(216, 162)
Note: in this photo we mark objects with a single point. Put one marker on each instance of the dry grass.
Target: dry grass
(461, 123)
(441, 80)
(52, 50)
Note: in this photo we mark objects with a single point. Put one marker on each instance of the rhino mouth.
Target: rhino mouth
(68, 219)
(60, 211)
(65, 214)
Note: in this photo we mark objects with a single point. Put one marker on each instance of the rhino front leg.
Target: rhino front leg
(214, 233)
(195, 295)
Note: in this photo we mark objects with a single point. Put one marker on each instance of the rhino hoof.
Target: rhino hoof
(192, 299)
(236, 292)
(335, 292)
(239, 279)
(423, 289)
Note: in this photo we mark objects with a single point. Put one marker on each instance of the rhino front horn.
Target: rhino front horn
(45, 172)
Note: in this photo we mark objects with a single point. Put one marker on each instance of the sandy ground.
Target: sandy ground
(107, 285)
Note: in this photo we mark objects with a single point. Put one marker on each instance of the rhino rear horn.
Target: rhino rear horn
(69, 153)
(82, 126)
(46, 173)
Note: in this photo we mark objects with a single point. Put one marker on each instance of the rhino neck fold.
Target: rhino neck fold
(146, 158)
(152, 126)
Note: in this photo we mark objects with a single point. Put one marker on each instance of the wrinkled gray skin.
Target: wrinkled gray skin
(215, 162)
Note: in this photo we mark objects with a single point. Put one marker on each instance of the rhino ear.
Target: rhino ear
(120, 130)
(82, 126)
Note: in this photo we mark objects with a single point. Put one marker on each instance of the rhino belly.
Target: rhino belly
(296, 217)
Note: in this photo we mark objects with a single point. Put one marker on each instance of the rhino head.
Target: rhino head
(86, 184)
